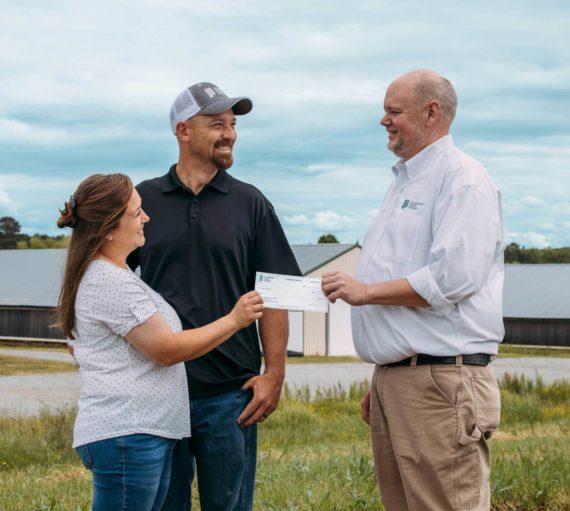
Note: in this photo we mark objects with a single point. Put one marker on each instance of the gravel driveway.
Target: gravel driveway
(29, 394)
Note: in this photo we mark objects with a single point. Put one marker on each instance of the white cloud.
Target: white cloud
(531, 201)
(529, 239)
(37, 135)
(5, 201)
(85, 80)
(42, 184)
(316, 168)
(537, 149)
(549, 227)
(17, 131)
(333, 220)
(562, 208)
(297, 220)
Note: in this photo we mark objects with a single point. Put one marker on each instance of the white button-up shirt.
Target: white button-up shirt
(440, 227)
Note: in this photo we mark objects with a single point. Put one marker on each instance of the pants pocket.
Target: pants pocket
(467, 481)
(447, 382)
(84, 455)
(487, 399)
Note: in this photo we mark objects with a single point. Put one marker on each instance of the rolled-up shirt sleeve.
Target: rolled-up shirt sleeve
(121, 302)
(467, 233)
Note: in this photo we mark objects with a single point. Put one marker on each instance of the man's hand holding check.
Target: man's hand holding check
(337, 284)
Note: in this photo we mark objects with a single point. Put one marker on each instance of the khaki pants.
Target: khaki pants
(430, 426)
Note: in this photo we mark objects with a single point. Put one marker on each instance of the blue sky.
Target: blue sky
(86, 87)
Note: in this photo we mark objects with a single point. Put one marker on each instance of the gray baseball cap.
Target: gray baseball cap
(205, 98)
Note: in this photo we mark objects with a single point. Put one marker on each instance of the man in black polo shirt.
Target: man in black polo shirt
(208, 234)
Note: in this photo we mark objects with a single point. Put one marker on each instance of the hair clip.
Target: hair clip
(72, 201)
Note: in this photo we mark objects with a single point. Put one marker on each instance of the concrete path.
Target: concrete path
(29, 394)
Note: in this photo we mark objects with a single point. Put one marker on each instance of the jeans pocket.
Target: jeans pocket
(84, 455)
(487, 397)
(467, 481)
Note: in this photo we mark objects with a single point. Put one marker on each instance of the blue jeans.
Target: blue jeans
(129, 472)
(223, 454)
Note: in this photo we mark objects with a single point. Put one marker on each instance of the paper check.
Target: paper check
(291, 293)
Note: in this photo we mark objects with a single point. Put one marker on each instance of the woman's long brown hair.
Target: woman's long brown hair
(93, 211)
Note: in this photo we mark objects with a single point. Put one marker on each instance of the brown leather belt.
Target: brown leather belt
(475, 359)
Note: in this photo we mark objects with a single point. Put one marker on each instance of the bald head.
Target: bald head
(427, 86)
(419, 109)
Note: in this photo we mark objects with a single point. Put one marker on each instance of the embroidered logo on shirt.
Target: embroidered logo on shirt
(412, 204)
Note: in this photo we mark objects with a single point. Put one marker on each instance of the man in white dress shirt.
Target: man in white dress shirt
(427, 311)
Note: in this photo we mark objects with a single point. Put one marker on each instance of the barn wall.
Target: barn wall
(31, 322)
(538, 332)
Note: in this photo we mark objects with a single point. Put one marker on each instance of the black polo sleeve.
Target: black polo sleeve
(272, 253)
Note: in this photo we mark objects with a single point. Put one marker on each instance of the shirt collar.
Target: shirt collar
(171, 181)
(415, 164)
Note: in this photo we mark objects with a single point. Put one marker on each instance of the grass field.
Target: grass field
(15, 345)
(505, 350)
(315, 455)
(11, 366)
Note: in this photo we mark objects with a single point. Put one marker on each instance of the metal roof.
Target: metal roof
(537, 291)
(311, 257)
(33, 278)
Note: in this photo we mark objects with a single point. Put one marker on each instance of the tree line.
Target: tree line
(514, 253)
(12, 238)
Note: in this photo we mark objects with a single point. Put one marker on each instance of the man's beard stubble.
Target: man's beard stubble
(223, 162)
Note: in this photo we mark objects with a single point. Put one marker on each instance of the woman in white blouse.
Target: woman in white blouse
(129, 345)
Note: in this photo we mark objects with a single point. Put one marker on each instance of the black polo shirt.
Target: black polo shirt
(201, 254)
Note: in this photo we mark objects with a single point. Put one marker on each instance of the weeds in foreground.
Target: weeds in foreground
(314, 454)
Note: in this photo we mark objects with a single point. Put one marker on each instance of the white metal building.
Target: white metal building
(536, 303)
(313, 333)
(30, 282)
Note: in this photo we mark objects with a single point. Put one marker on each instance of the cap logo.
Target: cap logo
(206, 98)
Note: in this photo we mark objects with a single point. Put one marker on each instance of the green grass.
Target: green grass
(507, 350)
(11, 365)
(16, 345)
(315, 455)
(531, 472)
(323, 360)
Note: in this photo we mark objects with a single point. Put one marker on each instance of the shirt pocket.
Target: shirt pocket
(401, 236)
